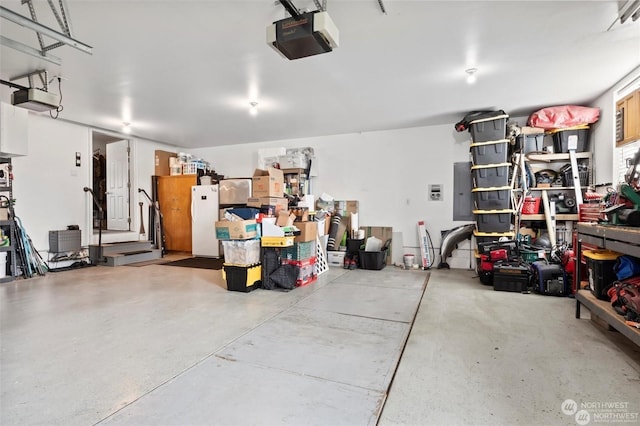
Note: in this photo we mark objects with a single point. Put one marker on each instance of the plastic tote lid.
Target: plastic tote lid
(494, 234)
(489, 142)
(580, 127)
(497, 117)
(601, 254)
(489, 166)
(494, 211)
(492, 188)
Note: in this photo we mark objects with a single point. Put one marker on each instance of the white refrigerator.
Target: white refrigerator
(204, 214)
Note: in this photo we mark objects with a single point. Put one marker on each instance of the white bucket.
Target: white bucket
(3, 264)
(408, 260)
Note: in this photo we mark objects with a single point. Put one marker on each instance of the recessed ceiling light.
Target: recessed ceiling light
(471, 75)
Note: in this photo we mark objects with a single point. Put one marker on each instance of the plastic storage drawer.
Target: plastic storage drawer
(490, 175)
(530, 143)
(489, 129)
(498, 198)
(493, 220)
(491, 152)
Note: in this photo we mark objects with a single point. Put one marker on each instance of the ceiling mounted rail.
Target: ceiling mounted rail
(322, 7)
(63, 38)
(630, 9)
(29, 50)
(382, 7)
(293, 11)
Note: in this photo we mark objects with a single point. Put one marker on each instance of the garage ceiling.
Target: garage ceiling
(185, 72)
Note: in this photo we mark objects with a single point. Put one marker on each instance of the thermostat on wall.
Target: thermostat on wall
(435, 192)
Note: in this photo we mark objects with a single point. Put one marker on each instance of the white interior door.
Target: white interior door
(118, 213)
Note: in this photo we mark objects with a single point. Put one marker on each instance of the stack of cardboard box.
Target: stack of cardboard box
(289, 233)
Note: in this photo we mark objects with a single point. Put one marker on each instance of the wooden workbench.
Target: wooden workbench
(622, 239)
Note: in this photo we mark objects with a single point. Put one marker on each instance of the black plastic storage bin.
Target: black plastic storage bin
(497, 198)
(493, 220)
(561, 138)
(354, 246)
(492, 152)
(511, 277)
(567, 177)
(373, 260)
(489, 129)
(530, 143)
(600, 271)
(490, 175)
(242, 278)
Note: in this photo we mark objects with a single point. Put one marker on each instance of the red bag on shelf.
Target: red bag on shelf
(561, 117)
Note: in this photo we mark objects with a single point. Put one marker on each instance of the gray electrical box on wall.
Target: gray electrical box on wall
(435, 192)
(462, 186)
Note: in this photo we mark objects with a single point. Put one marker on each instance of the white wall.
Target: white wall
(48, 186)
(388, 172)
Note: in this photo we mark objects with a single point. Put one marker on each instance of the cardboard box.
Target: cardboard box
(301, 213)
(308, 231)
(236, 230)
(162, 162)
(267, 183)
(346, 207)
(383, 233)
(285, 218)
(279, 203)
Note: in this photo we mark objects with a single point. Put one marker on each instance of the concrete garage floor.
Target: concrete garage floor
(170, 346)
